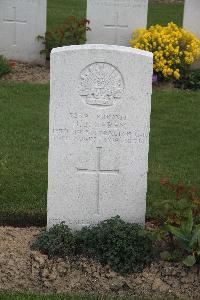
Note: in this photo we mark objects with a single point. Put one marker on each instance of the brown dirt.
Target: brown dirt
(23, 72)
(22, 269)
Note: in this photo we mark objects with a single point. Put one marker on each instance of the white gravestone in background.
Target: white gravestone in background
(191, 20)
(113, 21)
(21, 22)
(99, 134)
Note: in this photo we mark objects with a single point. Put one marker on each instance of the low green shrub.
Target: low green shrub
(124, 247)
(71, 32)
(4, 66)
(57, 241)
(190, 81)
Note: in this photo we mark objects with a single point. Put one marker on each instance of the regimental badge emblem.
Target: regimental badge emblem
(101, 84)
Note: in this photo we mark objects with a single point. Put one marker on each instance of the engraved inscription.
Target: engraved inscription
(98, 170)
(15, 21)
(85, 222)
(101, 84)
(105, 128)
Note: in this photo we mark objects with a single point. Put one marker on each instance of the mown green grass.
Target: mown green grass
(15, 296)
(174, 142)
(174, 148)
(23, 152)
(162, 13)
(59, 10)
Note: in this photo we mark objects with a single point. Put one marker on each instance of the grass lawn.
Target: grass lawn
(174, 142)
(23, 154)
(59, 10)
(174, 148)
(163, 13)
(13, 296)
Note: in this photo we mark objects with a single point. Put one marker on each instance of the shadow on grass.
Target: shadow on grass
(23, 219)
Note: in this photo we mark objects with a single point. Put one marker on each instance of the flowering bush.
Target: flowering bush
(174, 48)
(71, 32)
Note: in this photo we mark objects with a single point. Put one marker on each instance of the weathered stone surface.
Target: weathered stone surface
(99, 134)
(113, 21)
(21, 22)
(191, 20)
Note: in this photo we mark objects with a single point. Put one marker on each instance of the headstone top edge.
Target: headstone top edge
(102, 47)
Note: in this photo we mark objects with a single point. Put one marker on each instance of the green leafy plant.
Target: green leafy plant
(174, 209)
(179, 223)
(4, 66)
(123, 246)
(57, 241)
(190, 80)
(188, 238)
(71, 32)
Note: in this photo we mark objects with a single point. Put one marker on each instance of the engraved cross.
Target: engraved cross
(98, 171)
(116, 26)
(14, 21)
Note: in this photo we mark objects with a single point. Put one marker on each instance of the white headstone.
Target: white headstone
(113, 21)
(191, 20)
(99, 134)
(21, 22)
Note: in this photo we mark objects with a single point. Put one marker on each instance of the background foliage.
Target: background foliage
(71, 32)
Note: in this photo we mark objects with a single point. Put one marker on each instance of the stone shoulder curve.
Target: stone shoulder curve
(102, 47)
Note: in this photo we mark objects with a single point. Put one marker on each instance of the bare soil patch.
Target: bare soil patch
(22, 269)
(24, 72)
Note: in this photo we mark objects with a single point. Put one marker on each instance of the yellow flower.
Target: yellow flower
(174, 48)
(176, 74)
